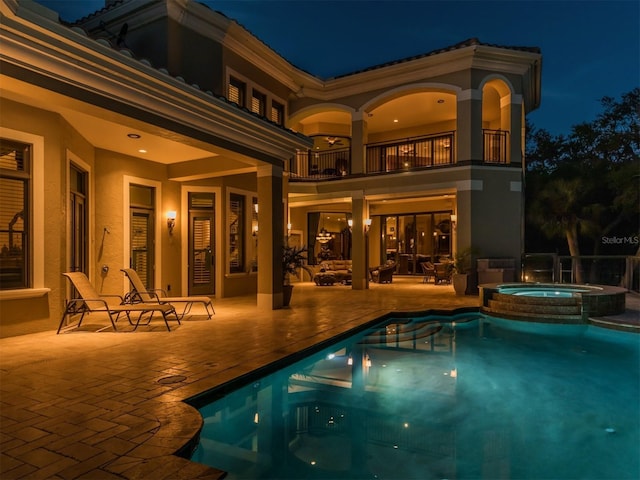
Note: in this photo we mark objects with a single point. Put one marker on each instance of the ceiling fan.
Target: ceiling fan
(333, 141)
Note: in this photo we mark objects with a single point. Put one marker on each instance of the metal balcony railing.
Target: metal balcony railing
(395, 156)
(323, 165)
(495, 143)
(411, 153)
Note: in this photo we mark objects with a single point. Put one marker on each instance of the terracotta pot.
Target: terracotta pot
(459, 281)
(287, 290)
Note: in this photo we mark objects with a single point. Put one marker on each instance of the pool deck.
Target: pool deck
(87, 405)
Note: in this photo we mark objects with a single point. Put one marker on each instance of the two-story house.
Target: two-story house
(162, 135)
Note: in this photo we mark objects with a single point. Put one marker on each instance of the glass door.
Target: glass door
(201, 244)
(141, 233)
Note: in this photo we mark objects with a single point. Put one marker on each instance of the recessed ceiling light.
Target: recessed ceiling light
(142, 150)
(133, 135)
(440, 100)
(395, 120)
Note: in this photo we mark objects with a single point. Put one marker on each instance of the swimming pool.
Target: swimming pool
(438, 397)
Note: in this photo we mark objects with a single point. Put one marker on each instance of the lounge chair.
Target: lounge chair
(140, 294)
(91, 301)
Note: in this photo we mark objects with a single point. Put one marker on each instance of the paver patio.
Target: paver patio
(110, 405)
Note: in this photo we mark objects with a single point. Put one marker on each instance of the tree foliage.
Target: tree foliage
(583, 187)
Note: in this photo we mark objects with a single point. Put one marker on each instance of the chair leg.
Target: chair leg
(64, 315)
(70, 309)
(113, 324)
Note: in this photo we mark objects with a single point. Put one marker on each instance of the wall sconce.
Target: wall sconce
(454, 219)
(171, 221)
(367, 222)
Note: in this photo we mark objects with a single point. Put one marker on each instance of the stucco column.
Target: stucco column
(512, 121)
(359, 273)
(358, 142)
(469, 126)
(270, 237)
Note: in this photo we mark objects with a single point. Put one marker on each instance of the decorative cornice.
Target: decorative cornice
(87, 70)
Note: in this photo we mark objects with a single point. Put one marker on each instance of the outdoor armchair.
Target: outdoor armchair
(429, 271)
(139, 293)
(89, 301)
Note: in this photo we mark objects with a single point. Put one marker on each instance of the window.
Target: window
(277, 112)
(236, 233)
(258, 102)
(237, 91)
(15, 169)
(78, 217)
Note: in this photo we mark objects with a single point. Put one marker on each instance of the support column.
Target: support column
(511, 115)
(469, 126)
(360, 275)
(358, 142)
(270, 237)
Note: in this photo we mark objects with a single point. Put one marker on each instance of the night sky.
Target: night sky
(590, 49)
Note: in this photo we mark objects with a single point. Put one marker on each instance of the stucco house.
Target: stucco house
(162, 135)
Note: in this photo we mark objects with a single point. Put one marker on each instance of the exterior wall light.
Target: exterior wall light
(454, 219)
(171, 221)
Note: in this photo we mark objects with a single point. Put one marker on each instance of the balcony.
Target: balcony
(411, 153)
(495, 144)
(394, 156)
(323, 165)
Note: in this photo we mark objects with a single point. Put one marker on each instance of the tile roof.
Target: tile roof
(466, 43)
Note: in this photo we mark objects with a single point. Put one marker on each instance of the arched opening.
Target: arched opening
(496, 121)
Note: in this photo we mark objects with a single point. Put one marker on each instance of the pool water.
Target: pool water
(439, 397)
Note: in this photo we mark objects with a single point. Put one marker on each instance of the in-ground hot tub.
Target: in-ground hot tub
(551, 302)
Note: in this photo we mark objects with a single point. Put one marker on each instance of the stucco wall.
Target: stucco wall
(19, 316)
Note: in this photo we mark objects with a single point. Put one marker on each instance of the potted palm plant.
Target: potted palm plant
(463, 276)
(293, 260)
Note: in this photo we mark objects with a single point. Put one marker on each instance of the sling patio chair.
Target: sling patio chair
(140, 294)
(90, 301)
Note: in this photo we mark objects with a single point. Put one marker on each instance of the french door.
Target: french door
(141, 232)
(201, 243)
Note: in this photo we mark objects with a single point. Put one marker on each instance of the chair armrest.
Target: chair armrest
(158, 293)
(110, 296)
(100, 299)
(135, 297)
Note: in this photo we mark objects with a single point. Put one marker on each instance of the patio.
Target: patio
(109, 405)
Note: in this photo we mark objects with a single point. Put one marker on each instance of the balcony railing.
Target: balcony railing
(394, 156)
(323, 165)
(495, 144)
(411, 153)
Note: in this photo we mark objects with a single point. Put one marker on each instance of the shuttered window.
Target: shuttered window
(258, 102)
(15, 161)
(277, 112)
(236, 91)
(201, 245)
